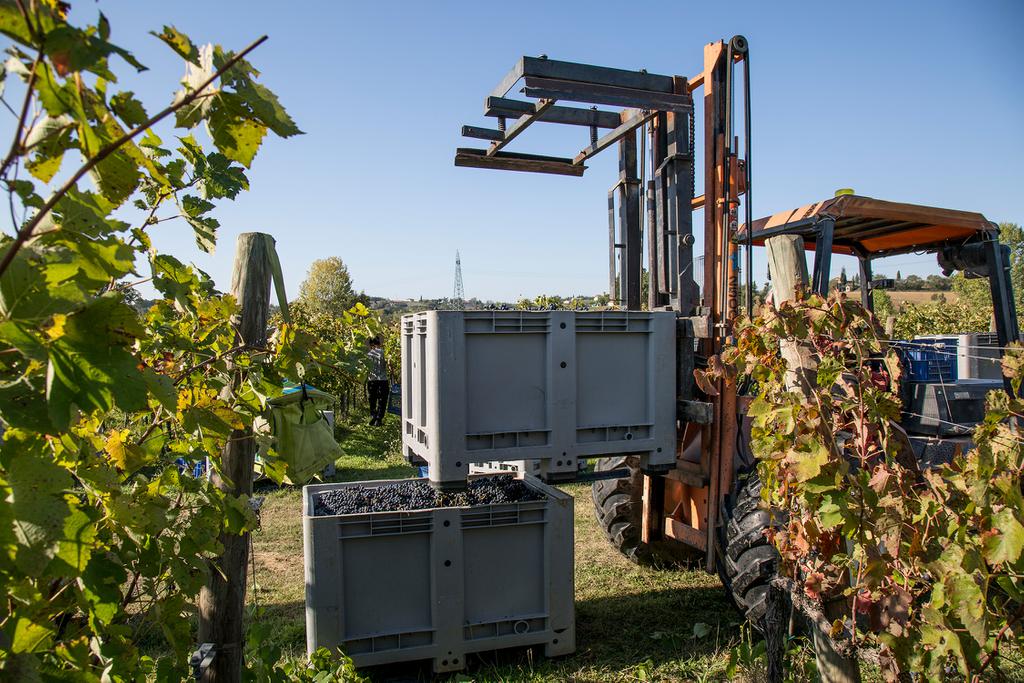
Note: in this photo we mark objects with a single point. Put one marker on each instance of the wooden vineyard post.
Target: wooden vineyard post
(787, 266)
(222, 600)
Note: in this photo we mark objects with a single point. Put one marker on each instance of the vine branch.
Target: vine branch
(25, 232)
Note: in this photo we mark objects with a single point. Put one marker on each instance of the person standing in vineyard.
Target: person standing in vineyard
(377, 382)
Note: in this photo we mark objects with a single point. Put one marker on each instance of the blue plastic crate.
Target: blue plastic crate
(395, 400)
(930, 361)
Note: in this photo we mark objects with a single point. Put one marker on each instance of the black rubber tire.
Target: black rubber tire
(618, 504)
(747, 561)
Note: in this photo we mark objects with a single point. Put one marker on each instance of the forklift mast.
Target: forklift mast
(663, 109)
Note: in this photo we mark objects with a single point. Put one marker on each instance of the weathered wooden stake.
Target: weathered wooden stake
(787, 264)
(222, 600)
(776, 622)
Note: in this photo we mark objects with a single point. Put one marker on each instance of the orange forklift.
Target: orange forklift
(706, 507)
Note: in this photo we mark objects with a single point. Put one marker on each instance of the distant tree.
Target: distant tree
(913, 283)
(898, 276)
(937, 283)
(327, 287)
(842, 278)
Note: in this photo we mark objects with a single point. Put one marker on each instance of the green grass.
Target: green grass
(632, 623)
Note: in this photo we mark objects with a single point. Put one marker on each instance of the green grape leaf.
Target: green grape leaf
(267, 108)
(97, 262)
(75, 546)
(116, 175)
(236, 137)
(238, 517)
(829, 513)
(129, 109)
(194, 206)
(162, 389)
(220, 179)
(48, 139)
(31, 292)
(173, 279)
(251, 99)
(968, 603)
(101, 584)
(57, 97)
(88, 213)
(37, 505)
(19, 405)
(29, 634)
(89, 366)
(205, 231)
(807, 464)
(179, 42)
(21, 337)
(12, 23)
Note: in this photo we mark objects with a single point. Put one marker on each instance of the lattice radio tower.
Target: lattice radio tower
(458, 298)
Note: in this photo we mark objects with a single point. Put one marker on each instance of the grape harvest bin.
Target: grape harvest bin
(551, 386)
(440, 583)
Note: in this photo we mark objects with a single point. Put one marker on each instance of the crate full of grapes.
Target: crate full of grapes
(398, 571)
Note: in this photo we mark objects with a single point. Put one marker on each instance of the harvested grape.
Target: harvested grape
(420, 495)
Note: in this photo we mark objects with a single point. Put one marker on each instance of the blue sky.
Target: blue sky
(911, 101)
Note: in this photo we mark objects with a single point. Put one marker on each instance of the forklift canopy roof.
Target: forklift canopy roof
(873, 227)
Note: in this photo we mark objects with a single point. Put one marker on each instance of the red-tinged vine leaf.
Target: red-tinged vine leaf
(863, 603)
(813, 585)
(71, 50)
(895, 611)
(1005, 545)
(879, 478)
(705, 381)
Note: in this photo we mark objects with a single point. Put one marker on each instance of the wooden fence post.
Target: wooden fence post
(787, 264)
(222, 600)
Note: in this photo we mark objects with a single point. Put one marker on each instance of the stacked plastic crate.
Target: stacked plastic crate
(438, 582)
(948, 379)
(429, 570)
(537, 390)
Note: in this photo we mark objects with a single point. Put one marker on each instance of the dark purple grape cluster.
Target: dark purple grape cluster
(420, 495)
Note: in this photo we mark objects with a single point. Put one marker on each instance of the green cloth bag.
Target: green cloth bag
(302, 438)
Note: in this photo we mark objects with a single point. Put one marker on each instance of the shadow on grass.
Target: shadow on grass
(614, 636)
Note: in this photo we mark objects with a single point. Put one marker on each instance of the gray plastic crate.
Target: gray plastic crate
(978, 356)
(553, 386)
(440, 583)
